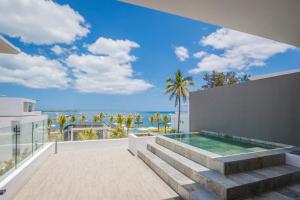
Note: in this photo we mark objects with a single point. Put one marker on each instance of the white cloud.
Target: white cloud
(41, 21)
(32, 71)
(200, 54)
(118, 49)
(182, 53)
(240, 51)
(109, 71)
(58, 50)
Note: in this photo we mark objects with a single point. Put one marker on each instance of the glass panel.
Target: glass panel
(37, 135)
(17, 145)
(7, 161)
(25, 141)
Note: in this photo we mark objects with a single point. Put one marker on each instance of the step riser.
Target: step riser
(254, 163)
(189, 172)
(219, 189)
(165, 177)
(229, 167)
(263, 186)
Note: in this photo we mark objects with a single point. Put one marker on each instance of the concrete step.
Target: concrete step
(225, 164)
(232, 186)
(184, 186)
(291, 192)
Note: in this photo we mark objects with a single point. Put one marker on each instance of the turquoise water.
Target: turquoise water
(145, 115)
(219, 145)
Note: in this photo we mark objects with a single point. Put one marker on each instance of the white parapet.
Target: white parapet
(139, 141)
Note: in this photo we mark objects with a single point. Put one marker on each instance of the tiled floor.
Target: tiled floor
(104, 173)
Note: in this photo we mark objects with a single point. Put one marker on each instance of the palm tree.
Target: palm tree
(111, 119)
(96, 118)
(178, 88)
(73, 119)
(101, 116)
(120, 119)
(151, 119)
(82, 118)
(157, 119)
(138, 119)
(165, 121)
(129, 122)
(49, 124)
(61, 120)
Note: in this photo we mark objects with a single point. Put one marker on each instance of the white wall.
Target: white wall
(184, 119)
(10, 107)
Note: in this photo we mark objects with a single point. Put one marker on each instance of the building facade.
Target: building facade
(23, 130)
(266, 108)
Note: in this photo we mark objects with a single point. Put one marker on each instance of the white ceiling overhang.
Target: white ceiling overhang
(278, 20)
(6, 47)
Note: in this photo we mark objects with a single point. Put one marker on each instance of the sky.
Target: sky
(112, 56)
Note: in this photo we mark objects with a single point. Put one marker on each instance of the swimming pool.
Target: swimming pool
(220, 145)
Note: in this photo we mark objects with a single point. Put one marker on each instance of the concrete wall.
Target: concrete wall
(184, 122)
(267, 109)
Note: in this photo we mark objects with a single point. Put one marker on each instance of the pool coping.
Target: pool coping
(226, 164)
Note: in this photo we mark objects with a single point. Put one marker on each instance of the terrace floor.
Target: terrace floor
(95, 173)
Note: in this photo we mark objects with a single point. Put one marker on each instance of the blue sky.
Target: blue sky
(108, 55)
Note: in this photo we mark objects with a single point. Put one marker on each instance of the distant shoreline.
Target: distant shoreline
(67, 110)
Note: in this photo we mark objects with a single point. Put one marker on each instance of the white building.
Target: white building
(184, 119)
(22, 132)
(19, 110)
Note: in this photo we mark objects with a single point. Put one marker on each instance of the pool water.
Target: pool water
(220, 145)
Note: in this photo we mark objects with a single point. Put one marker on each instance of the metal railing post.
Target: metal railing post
(55, 152)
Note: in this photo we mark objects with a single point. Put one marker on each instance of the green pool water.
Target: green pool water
(219, 145)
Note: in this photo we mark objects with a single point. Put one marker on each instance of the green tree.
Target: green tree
(82, 118)
(216, 79)
(138, 119)
(120, 120)
(111, 119)
(151, 119)
(73, 119)
(157, 119)
(96, 118)
(88, 134)
(101, 116)
(231, 78)
(177, 87)
(165, 120)
(49, 124)
(61, 120)
(129, 122)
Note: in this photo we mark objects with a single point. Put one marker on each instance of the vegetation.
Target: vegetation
(6, 165)
(151, 119)
(177, 87)
(216, 79)
(61, 120)
(73, 119)
(111, 119)
(49, 124)
(96, 118)
(82, 118)
(157, 119)
(89, 134)
(101, 116)
(138, 119)
(165, 121)
(117, 132)
(129, 122)
(120, 119)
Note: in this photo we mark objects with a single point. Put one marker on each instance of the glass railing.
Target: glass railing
(18, 143)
